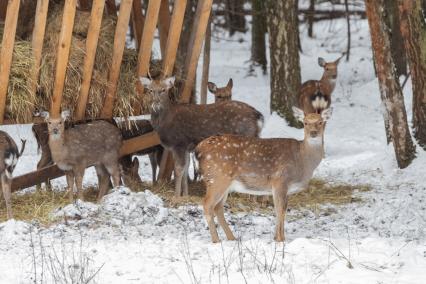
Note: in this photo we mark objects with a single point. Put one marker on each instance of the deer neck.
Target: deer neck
(327, 83)
(159, 112)
(312, 153)
(57, 147)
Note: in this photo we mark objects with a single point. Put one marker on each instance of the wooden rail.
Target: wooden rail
(7, 51)
(163, 25)
(138, 21)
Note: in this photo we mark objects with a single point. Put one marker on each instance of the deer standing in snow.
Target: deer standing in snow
(92, 144)
(182, 126)
(315, 95)
(9, 157)
(276, 166)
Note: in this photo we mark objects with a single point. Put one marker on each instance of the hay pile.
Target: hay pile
(126, 91)
(20, 98)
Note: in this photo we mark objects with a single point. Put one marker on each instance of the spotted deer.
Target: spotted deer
(9, 157)
(221, 94)
(277, 166)
(315, 95)
(182, 126)
(96, 143)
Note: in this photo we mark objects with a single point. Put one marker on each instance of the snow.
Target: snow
(133, 237)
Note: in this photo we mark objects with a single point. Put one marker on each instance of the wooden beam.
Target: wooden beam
(169, 59)
(62, 55)
(89, 60)
(206, 64)
(173, 38)
(3, 9)
(37, 40)
(7, 51)
(138, 21)
(129, 146)
(163, 25)
(119, 44)
(194, 48)
(145, 50)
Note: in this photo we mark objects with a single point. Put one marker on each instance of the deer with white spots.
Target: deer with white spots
(96, 143)
(9, 157)
(315, 95)
(182, 126)
(276, 166)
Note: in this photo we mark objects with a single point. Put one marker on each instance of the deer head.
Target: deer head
(158, 90)
(330, 68)
(56, 126)
(313, 123)
(221, 94)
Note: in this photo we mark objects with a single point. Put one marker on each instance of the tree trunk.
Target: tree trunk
(397, 42)
(348, 30)
(206, 63)
(311, 14)
(413, 30)
(258, 45)
(236, 19)
(390, 90)
(284, 57)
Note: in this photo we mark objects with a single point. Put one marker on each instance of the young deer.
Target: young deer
(221, 94)
(182, 126)
(315, 96)
(92, 144)
(277, 167)
(9, 157)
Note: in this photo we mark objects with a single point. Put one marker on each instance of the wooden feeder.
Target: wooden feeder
(157, 15)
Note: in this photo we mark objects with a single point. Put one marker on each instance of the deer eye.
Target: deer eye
(163, 90)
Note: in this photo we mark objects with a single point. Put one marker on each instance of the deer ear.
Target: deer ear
(321, 61)
(145, 81)
(135, 164)
(338, 60)
(45, 115)
(212, 87)
(230, 83)
(326, 114)
(298, 114)
(65, 114)
(170, 82)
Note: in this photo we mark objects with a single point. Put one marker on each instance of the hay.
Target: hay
(20, 98)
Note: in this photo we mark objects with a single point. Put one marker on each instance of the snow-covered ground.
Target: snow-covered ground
(133, 238)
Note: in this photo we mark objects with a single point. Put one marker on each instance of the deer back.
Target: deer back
(313, 97)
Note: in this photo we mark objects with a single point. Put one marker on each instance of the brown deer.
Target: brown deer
(221, 94)
(276, 166)
(91, 144)
(9, 157)
(182, 126)
(315, 96)
(129, 130)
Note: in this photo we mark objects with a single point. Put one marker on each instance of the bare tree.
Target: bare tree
(311, 14)
(284, 57)
(390, 90)
(258, 31)
(413, 30)
(235, 16)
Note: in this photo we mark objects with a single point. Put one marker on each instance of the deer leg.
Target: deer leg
(114, 170)
(185, 174)
(153, 162)
(196, 169)
(219, 211)
(79, 173)
(179, 157)
(103, 181)
(280, 204)
(70, 183)
(6, 185)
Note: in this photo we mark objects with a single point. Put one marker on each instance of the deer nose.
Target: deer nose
(314, 134)
(55, 131)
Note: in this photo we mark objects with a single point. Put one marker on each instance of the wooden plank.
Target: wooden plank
(37, 40)
(174, 37)
(89, 60)
(163, 25)
(129, 146)
(119, 44)
(206, 64)
(166, 165)
(62, 55)
(139, 143)
(7, 51)
(138, 21)
(3, 9)
(197, 36)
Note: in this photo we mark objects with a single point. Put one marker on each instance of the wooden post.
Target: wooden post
(138, 21)
(3, 9)
(62, 55)
(38, 37)
(197, 36)
(119, 44)
(89, 60)
(206, 64)
(163, 25)
(7, 51)
(166, 165)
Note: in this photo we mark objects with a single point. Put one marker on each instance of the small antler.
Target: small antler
(23, 141)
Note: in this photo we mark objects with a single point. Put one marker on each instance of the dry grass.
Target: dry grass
(39, 205)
